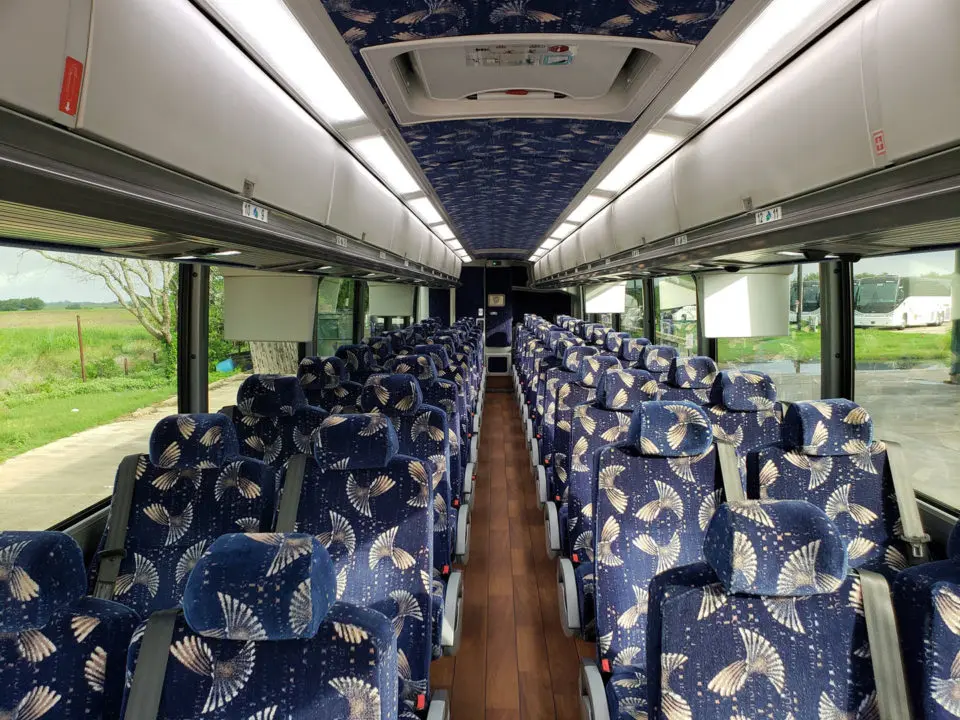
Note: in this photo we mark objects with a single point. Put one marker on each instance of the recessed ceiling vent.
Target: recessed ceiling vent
(529, 75)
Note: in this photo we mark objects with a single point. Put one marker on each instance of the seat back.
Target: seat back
(631, 351)
(360, 361)
(327, 385)
(193, 487)
(689, 379)
(261, 636)
(655, 494)
(828, 457)
(743, 409)
(613, 341)
(656, 359)
(63, 654)
(772, 625)
(553, 379)
(272, 419)
(366, 504)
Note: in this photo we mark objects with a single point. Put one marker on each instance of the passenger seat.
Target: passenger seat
(327, 385)
(689, 379)
(360, 361)
(656, 360)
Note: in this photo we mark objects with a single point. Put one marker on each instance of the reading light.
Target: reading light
(444, 232)
(563, 231)
(586, 209)
(776, 32)
(644, 155)
(274, 33)
(425, 210)
(381, 157)
(790, 253)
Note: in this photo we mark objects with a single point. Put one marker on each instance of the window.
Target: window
(230, 362)
(793, 361)
(632, 319)
(88, 365)
(675, 321)
(334, 314)
(906, 363)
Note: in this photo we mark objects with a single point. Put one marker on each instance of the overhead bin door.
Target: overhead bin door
(595, 238)
(570, 255)
(648, 211)
(166, 83)
(355, 192)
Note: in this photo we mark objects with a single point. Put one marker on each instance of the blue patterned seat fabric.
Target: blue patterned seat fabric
(689, 379)
(631, 351)
(327, 384)
(655, 494)
(360, 361)
(372, 510)
(927, 603)
(613, 341)
(262, 637)
(656, 359)
(447, 372)
(193, 487)
(553, 380)
(744, 411)
(63, 654)
(829, 458)
(771, 626)
(272, 419)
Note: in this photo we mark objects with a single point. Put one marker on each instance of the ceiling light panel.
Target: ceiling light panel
(782, 27)
(385, 162)
(563, 231)
(274, 33)
(588, 208)
(454, 245)
(443, 231)
(645, 154)
(425, 211)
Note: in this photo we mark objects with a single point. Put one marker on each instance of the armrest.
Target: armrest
(452, 614)
(569, 600)
(462, 549)
(593, 696)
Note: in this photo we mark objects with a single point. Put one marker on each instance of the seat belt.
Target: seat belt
(113, 551)
(730, 471)
(290, 496)
(888, 674)
(230, 411)
(146, 690)
(910, 521)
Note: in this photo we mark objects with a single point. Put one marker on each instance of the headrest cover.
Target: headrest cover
(553, 337)
(670, 429)
(625, 389)
(193, 441)
(743, 391)
(384, 346)
(692, 373)
(599, 334)
(586, 330)
(827, 427)
(357, 357)
(261, 586)
(355, 442)
(322, 373)
(786, 548)
(631, 349)
(573, 355)
(420, 365)
(656, 358)
(592, 368)
(270, 396)
(614, 340)
(392, 395)
(43, 573)
(438, 353)
(564, 344)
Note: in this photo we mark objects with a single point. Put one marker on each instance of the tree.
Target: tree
(145, 288)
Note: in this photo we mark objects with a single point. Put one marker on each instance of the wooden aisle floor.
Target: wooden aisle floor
(514, 660)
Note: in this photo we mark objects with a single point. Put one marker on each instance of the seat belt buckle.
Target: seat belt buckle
(918, 546)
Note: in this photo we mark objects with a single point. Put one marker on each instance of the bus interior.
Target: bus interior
(479, 359)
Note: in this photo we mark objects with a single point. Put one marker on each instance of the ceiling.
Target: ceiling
(504, 182)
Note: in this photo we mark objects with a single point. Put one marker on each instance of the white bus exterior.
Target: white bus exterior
(893, 301)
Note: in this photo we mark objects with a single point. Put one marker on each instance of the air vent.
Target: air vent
(523, 75)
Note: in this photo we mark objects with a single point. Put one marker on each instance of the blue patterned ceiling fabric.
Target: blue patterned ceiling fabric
(503, 182)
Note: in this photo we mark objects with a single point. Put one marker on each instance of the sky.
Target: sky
(26, 273)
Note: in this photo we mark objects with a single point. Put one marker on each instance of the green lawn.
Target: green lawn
(871, 346)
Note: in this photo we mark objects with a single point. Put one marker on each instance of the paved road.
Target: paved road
(46, 485)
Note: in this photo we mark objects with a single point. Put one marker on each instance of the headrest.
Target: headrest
(357, 357)
(670, 429)
(631, 349)
(786, 548)
(598, 334)
(656, 358)
(322, 373)
(384, 346)
(564, 344)
(391, 395)
(692, 373)
(193, 441)
(625, 389)
(743, 391)
(592, 369)
(355, 442)
(586, 330)
(420, 365)
(827, 427)
(261, 586)
(438, 353)
(614, 340)
(43, 572)
(270, 395)
(572, 356)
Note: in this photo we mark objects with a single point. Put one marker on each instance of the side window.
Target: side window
(230, 362)
(632, 319)
(334, 314)
(88, 364)
(676, 313)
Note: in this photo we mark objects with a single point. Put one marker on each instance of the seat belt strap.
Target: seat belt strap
(146, 690)
(730, 471)
(910, 521)
(290, 496)
(113, 551)
(230, 411)
(888, 674)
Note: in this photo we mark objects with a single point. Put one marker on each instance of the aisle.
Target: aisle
(514, 661)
